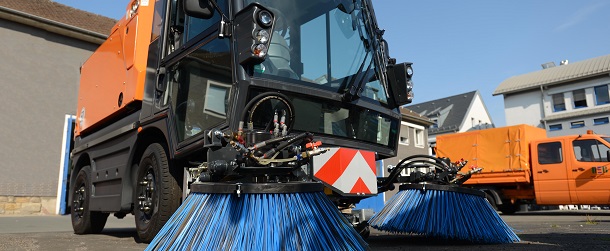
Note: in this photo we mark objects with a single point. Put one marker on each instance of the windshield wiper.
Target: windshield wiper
(354, 86)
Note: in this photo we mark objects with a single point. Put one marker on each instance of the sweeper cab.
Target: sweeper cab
(232, 96)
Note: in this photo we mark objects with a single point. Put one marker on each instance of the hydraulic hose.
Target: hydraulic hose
(258, 99)
(388, 182)
(287, 143)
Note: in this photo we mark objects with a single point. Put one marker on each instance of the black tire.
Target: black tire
(491, 201)
(508, 208)
(365, 232)
(85, 221)
(157, 193)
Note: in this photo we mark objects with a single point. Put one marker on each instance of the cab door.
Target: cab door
(550, 173)
(589, 172)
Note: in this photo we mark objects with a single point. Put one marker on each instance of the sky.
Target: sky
(462, 46)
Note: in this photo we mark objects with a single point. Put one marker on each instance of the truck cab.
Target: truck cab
(571, 169)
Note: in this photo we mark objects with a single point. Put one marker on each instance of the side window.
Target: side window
(158, 19)
(549, 153)
(590, 151)
(176, 26)
(183, 28)
(196, 26)
(200, 85)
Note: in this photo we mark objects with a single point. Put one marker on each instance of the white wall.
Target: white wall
(567, 92)
(532, 106)
(523, 108)
(477, 117)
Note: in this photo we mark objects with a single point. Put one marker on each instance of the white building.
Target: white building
(566, 99)
(459, 113)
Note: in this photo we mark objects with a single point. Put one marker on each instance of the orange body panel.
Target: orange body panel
(116, 70)
(519, 193)
(520, 176)
(573, 180)
(503, 152)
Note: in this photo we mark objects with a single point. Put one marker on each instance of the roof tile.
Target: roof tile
(62, 14)
(555, 75)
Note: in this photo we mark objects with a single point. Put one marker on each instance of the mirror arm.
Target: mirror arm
(217, 8)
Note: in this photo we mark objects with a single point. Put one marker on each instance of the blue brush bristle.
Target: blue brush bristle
(291, 221)
(445, 215)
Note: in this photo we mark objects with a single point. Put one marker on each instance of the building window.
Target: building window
(580, 100)
(601, 95)
(577, 124)
(558, 102)
(555, 127)
(419, 138)
(435, 125)
(404, 136)
(600, 121)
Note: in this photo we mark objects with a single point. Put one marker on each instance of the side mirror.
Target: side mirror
(198, 8)
(399, 83)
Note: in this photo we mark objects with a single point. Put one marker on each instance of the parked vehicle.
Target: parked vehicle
(521, 165)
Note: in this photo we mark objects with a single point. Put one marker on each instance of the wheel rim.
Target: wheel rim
(146, 195)
(80, 196)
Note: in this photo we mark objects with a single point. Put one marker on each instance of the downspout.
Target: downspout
(543, 120)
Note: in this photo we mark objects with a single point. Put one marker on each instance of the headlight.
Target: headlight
(265, 19)
(253, 30)
(134, 8)
(262, 36)
(259, 50)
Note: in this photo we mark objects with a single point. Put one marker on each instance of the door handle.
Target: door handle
(543, 171)
(579, 169)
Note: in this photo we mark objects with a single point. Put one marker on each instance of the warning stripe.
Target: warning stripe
(348, 170)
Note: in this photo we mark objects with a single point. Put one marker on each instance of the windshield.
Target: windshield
(323, 44)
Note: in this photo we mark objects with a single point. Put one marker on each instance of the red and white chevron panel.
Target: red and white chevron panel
(348, 170)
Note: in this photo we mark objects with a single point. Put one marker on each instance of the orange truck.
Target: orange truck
(521, 165)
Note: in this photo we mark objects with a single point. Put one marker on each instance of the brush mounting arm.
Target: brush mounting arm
(439, 171)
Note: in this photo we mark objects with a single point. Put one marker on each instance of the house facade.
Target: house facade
(459, 113)
(43, 46)
(413, 140)
(566, 99)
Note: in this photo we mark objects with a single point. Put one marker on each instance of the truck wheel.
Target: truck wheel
(85, 221)
(508, 208)
(491, 201)
(157, 193)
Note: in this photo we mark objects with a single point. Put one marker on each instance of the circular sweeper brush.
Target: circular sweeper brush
(445, 212)
(257, 216)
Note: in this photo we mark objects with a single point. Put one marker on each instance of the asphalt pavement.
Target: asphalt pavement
(541, 230)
